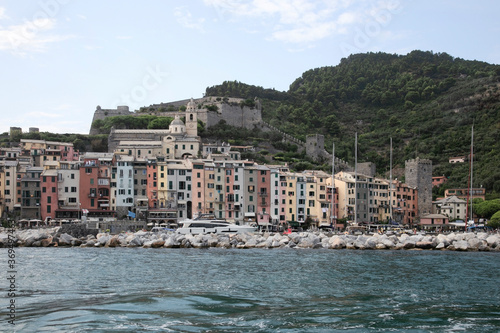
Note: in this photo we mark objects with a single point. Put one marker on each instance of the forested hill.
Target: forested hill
(427, 102)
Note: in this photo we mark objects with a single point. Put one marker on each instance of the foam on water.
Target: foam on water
(258, 290)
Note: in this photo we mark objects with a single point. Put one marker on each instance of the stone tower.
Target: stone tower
(191, 119)
(418, 174)
(315, 145)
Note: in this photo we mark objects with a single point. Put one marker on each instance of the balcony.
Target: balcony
(103, 181)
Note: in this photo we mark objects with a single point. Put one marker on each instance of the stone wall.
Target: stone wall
(229, 110)
(102, 114)
(367, 169)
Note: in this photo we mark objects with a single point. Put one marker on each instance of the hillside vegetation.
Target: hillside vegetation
(427, 102)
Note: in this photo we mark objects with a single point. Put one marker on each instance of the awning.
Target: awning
(249, 214)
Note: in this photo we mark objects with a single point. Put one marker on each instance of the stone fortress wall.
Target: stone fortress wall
(229, 110)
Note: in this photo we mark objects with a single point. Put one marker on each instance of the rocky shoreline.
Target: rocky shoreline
(55, 237)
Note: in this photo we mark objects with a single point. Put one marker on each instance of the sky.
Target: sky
(60, 59)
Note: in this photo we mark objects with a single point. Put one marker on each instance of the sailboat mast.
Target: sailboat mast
(332, 213)
(390, 186)
(356, 180)
(471, 169)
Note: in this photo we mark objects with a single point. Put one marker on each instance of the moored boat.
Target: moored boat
(205, 225)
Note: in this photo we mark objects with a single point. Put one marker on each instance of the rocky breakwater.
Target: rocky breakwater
(309, 240)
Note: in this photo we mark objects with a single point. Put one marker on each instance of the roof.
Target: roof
(452, 199)
(434, 216)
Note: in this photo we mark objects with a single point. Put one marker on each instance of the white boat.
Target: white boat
(203, 225)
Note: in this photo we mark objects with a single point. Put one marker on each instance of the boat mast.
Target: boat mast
(332, 213)
(390, 186)
(356, 180)
(469, 192)
(471, 169)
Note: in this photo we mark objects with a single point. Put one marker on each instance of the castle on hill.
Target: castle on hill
(236, 112)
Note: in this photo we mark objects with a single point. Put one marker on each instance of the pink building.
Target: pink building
(198, 186)
(152, 184)
(438, 181)
(49, 195)
(95, 184)
(433, 222)
(405, 204)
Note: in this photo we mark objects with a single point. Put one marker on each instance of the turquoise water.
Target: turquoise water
(258, 290)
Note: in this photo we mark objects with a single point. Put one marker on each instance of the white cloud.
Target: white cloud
(41, 114)
(2, 13)
(185, 19)
(305, 34)
(302, 21)
(31, 36)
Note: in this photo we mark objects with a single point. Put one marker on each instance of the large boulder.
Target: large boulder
(113, 242)
(442, 239)
(409, 244)
(250, 243)
(459, 245)
(474, 243)
(371, 243)
(424, 245)
(310, 241)
(493, 241)
(102, 239)
(171, 242)
(65, 240)
(157, 243)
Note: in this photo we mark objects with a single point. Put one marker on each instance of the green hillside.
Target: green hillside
(427, 102)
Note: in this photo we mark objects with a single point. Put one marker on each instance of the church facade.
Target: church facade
(179, 141)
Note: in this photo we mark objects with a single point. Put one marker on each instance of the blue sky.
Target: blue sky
(62, 58)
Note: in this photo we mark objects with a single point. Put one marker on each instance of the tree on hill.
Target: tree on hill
(426, 101)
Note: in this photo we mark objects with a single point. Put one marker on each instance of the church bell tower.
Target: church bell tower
(191, 119)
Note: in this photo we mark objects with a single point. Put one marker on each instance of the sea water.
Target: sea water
(257, 290)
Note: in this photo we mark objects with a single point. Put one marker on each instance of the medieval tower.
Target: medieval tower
(418, 174)
(191, 119)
